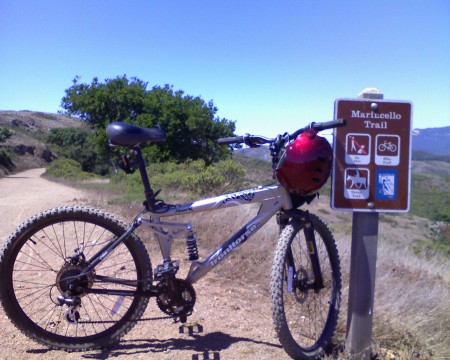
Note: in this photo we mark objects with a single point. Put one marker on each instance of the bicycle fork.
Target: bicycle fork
(292, 272)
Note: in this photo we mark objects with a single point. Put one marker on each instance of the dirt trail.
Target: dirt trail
(229, 322)
(27, 193)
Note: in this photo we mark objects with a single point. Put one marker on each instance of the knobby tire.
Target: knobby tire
(305, 319)
(33, 262)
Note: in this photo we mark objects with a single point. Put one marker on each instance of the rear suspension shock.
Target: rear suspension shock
(192, 249)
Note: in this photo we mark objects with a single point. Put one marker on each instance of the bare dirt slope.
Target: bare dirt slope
(230, 322)
(26, 148)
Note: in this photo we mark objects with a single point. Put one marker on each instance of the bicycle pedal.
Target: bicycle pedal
(182, 319)
(190, 328)
(166, 269)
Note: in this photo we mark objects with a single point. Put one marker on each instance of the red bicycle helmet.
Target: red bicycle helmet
(305, 164)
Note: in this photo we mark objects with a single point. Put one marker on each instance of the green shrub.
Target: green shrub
(200, 179)
(78, 144)
(194, 177)
(424, 156)
(67, 169)
(438, 243)
(4, 134)
(430, 196)
(5, 160)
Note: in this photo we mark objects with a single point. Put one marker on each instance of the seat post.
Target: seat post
(148, 191)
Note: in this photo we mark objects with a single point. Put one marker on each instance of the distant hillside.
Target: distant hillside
(426, 143)
(25, 147)
(432, 140)
(261, 153)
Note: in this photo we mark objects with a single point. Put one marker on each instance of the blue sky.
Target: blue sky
(272, 66)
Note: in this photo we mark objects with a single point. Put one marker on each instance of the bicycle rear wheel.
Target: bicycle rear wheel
(305, 318)
(42, 256)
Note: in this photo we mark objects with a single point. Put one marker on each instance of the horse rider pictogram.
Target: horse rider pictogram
(357, 181)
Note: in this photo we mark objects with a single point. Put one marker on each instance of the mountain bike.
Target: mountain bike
(76, 278)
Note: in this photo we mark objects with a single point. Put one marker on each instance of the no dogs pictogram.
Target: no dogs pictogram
(357, 149)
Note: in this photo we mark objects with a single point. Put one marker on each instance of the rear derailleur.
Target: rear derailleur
(72, 286)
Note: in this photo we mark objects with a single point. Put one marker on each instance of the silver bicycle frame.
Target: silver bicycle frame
(271, 198)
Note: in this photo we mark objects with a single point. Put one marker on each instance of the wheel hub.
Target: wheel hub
(68, 279)
(302, 286)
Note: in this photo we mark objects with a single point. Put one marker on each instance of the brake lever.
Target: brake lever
(275, 147)
(250, 141)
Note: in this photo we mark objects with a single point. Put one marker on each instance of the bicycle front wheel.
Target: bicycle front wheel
(305, 317)
(39, 261)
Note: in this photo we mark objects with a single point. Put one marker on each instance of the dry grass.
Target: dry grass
(412, 304)
(412, 292)
(412, 307)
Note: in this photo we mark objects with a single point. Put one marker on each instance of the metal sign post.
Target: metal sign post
(362, 284)
(371, 174)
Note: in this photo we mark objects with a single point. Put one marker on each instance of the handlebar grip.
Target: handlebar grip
(231, 140)
(329, 124)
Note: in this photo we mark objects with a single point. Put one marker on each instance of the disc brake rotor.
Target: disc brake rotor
(301, 288)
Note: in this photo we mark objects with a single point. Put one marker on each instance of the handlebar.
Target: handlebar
(247, 139)
(231, 140)
(256, 140)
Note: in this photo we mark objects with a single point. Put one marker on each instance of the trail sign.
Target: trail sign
(372, 156)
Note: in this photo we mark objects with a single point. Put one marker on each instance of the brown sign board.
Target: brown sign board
(372, 155)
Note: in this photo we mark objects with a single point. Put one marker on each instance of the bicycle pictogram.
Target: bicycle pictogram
(387, 146)
(387, 150)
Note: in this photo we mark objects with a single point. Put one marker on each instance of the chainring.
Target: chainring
(181, 307)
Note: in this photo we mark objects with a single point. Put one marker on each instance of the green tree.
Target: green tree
(78, 144)
(190, 123)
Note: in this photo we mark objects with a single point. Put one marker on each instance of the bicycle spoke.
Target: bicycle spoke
(36, 252)
(307, 317)
(49, 252)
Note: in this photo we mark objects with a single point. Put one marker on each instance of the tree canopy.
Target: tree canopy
(78, 144)
(190, 123)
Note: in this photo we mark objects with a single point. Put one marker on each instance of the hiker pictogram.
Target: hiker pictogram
(386, 185)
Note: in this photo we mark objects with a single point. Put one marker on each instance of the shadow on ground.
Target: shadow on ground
(200, 347)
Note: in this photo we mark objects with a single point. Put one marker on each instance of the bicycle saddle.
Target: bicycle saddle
(123, 134)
